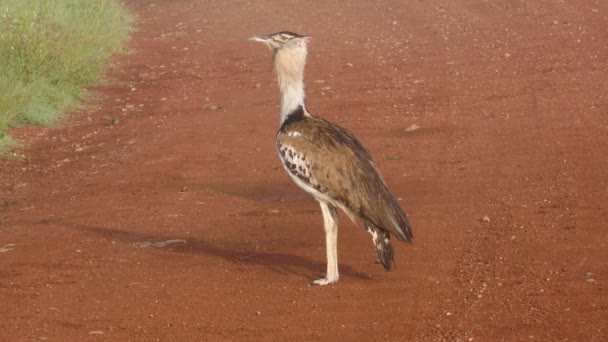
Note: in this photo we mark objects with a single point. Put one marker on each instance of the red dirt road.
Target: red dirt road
(512, 101)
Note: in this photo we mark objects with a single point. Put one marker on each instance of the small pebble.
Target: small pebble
(485, 219)
(258, 313)
(412, 127)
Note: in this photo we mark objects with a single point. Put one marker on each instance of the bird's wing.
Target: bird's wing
(331, 161)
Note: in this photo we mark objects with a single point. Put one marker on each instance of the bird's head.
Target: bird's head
(289, 52)
(285, 41)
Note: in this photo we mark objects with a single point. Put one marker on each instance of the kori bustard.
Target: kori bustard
(328, 162)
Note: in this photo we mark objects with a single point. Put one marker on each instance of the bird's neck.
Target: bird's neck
(290, 74)
(292, 97)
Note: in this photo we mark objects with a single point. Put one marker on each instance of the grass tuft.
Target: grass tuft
(6, 144)
(50, 51)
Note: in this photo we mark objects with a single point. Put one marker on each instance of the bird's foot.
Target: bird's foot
(325, 281)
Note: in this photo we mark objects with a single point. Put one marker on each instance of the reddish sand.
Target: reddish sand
(512, 103)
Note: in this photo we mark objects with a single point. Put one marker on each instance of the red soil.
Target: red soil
(512, 102)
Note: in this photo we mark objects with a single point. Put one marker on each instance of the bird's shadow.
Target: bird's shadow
(236, 252)
(260, 191)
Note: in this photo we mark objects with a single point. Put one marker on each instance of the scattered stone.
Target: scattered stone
(258, 85)
(319, 81)
(159, 244)
(184, 189)
(590, 280)
(111, 120)
(590, 275)
(258, 313)
(7, 247)
(485, 219)
(211, 107)
(162, 244)
(412, 128)
(350, 65)
(142, 244)
(96, 332)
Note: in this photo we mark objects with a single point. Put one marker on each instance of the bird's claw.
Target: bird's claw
(325, 281)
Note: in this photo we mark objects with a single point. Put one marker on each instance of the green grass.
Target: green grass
(50, 51)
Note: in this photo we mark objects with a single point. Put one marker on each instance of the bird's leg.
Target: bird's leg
(330, 223)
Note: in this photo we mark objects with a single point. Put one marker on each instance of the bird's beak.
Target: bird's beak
(261, 39)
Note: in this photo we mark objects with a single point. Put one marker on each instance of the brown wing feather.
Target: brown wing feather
(337, 165)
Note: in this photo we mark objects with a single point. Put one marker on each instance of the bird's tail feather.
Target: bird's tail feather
(388, 215)
(382, 242)
(399, 221)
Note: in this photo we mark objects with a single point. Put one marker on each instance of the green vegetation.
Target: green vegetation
(50, 51)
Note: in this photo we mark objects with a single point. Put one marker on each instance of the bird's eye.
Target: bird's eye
(284, 37)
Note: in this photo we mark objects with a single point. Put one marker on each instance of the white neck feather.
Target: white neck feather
(289, 65)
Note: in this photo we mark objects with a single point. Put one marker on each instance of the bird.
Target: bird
(329, 162)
